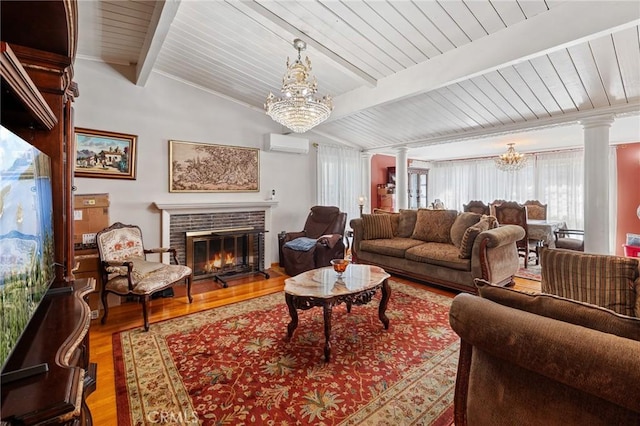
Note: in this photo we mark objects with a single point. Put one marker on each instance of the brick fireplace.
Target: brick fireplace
(194, 218)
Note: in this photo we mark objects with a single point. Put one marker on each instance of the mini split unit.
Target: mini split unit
(286, 143)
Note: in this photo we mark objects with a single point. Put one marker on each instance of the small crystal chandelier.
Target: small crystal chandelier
(511, 160)
(299, 109)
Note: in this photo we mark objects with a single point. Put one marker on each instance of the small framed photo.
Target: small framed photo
(103, 154)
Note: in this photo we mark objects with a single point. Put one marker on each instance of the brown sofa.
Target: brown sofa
(442, 247)
(544, 360)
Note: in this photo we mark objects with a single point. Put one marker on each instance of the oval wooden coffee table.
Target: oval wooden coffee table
(323, 287)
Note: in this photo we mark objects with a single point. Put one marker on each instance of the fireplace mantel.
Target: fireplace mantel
(176, 208)
(169, 209)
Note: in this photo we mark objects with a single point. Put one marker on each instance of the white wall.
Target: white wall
(166, 109)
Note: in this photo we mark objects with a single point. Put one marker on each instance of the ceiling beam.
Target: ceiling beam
(574, 117)
(565, 25)
(345, 65)
(163, 15)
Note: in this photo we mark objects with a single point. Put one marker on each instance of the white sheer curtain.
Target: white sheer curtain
(339, 177)
(560, 185)
(458, 182)
(556, 179)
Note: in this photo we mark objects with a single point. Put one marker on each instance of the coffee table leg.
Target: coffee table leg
(386, 294)
(293, 313)
(327, 308)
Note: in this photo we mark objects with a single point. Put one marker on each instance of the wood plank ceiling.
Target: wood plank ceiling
(402, 73)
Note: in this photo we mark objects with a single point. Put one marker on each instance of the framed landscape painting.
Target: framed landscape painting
(201, 167)
(103, 154)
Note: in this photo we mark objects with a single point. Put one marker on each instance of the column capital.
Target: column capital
(597, 121)
(366, 155)
(403, 149)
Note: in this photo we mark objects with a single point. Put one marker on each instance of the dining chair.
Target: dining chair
(476, 206)
(536, 210)
(493, 204)
(513, 213)
(565, 239)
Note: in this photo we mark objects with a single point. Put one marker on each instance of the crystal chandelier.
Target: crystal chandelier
(299, 109)
(511, 160)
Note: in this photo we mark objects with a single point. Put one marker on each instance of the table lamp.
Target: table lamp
(361, 200)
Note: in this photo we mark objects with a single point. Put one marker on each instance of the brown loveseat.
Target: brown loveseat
(544, 360)
(443, 247)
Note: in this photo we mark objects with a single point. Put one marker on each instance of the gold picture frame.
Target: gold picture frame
(202, 167)
(104, 154)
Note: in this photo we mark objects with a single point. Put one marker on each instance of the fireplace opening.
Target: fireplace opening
(223, 254)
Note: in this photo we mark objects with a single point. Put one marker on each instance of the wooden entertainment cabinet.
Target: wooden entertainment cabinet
(38, 48)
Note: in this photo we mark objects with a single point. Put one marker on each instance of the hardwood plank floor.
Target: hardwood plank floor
(206, 295)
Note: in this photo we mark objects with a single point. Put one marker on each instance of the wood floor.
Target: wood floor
(206, 295)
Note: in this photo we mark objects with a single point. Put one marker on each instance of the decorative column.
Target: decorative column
(596, 184)
(365, 184)
(402, 179)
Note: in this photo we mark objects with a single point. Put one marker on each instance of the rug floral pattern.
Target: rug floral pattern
(233, 365)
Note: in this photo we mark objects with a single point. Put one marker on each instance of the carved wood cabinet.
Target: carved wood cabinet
(36, 65)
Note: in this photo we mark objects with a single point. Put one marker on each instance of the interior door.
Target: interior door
(418, 188)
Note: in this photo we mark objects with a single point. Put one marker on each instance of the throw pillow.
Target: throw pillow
(434, 225)
(407, 222)
(376, 226)
(395, 219)
(469, 237)
(301, 244)
(141, 268)
(493, 221)
(460, 225)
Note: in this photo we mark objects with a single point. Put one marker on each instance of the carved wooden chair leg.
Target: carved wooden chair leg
(189, 288)
(103, 297)
(145, 311)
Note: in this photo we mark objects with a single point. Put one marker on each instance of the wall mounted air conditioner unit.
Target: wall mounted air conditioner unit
(286, 143)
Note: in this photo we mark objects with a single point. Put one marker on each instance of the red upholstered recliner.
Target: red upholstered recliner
(319, 242)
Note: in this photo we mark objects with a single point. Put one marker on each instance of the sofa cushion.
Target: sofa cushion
(492, 220)
(442, 254)
(562, 309)
(375, 226)
(407, 222)
(460, 225)
(434, 225)
(469, 237)
(395, 219)
(395, 247)
(603, 280)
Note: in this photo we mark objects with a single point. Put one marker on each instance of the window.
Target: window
(554, 178)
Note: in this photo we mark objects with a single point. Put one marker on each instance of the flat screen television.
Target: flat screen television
(26, 236)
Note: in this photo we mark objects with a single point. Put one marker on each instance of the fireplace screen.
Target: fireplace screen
(221, 254)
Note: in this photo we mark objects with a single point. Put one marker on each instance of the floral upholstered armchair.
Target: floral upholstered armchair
(126, 271)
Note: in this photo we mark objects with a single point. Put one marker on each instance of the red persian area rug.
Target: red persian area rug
(531, 272)
(233, 365)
